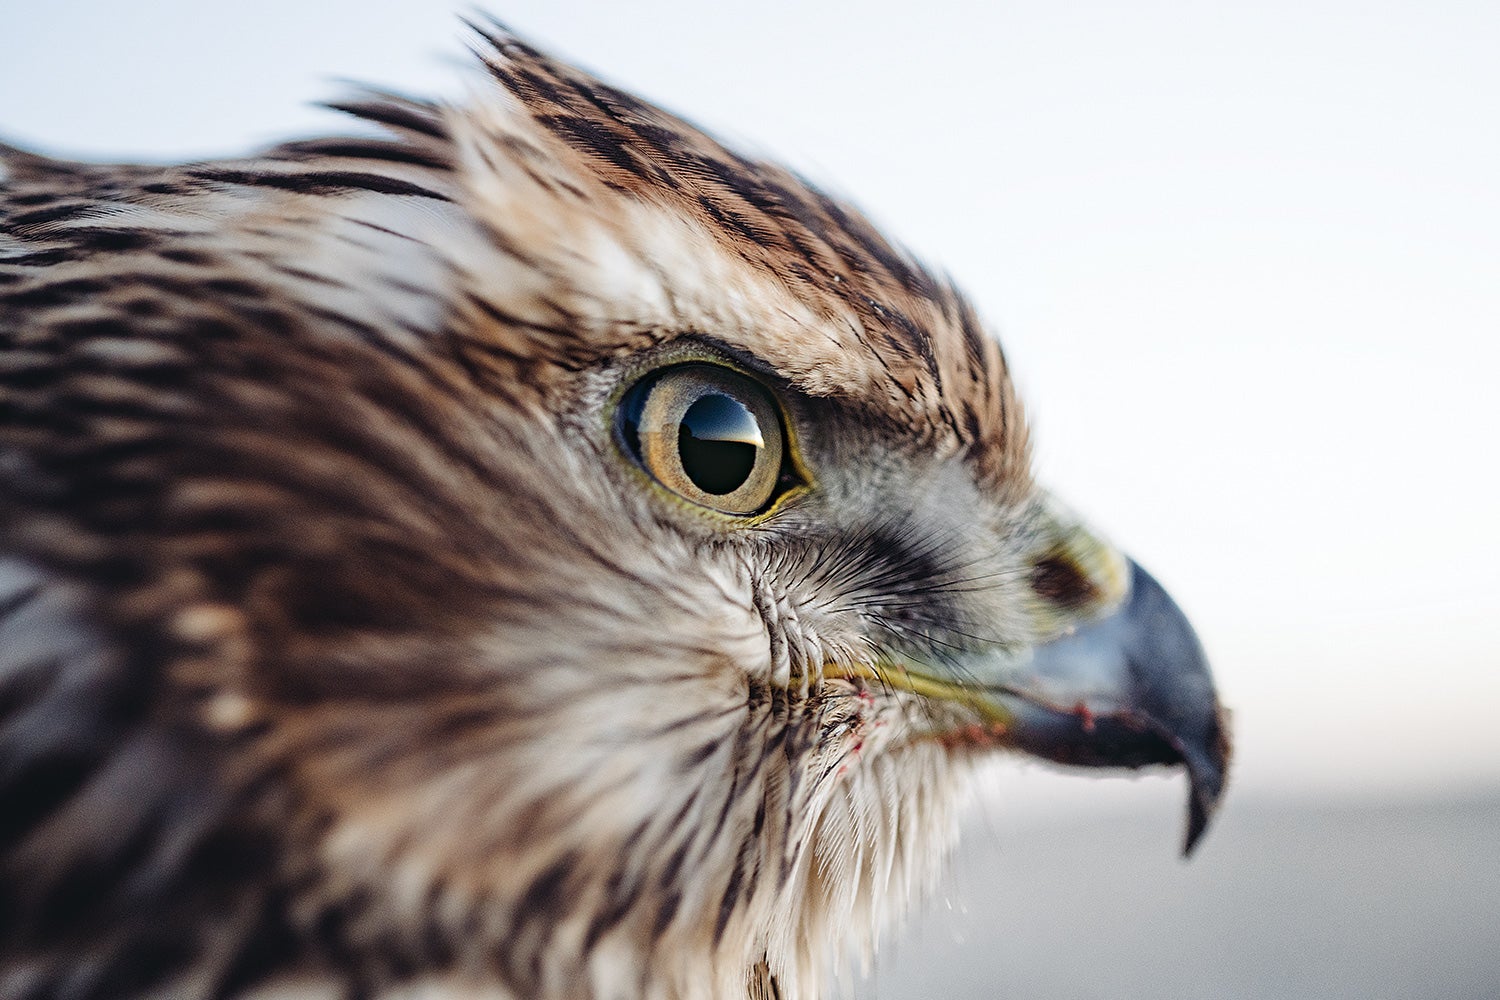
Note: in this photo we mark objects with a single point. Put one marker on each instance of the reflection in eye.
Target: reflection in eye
(709, 434)
(717, 443)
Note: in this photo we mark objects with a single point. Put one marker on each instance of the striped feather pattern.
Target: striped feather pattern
(343, 652)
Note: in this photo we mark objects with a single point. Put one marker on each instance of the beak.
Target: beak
(1126, 688)
(1129, 690)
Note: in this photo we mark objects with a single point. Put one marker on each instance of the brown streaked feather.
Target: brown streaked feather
(338, 642)
(878, 302)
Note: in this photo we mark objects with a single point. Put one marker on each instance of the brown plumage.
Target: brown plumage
(358, 637)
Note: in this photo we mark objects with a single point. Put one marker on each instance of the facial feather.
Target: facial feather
(428, 687)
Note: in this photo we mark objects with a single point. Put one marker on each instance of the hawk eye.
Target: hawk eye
(708, 434)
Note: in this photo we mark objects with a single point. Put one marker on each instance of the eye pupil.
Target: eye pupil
(718, 440)
(708, 434)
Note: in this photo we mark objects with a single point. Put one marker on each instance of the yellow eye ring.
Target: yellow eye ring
(708, 434)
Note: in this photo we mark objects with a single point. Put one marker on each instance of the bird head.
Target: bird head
(759, 570)
(599, 563)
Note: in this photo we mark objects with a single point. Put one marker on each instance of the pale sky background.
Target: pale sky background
(1245, 259)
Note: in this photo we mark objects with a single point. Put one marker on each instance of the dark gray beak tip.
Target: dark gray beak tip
(1174, 694)
(1207, 774)
(1130, 690)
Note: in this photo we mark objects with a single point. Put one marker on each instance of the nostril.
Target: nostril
(1060, 580)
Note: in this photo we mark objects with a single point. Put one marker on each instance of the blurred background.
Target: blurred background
(1245, 259)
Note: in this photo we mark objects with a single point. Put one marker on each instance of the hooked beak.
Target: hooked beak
(1128, 690)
